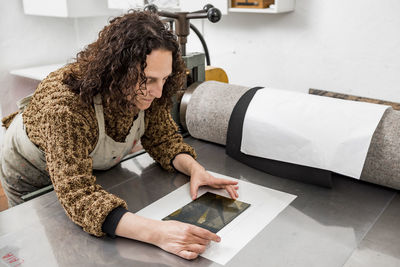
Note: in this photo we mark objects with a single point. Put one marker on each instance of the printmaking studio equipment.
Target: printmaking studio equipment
(195, 61)
(215, 112)
(206, 111)
(252, 3)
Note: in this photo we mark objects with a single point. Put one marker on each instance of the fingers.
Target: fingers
(229, 185)
(192, 251)
(185, 240)
(223, 182)
(196, 248)
(198, 240)
(232, 191)
(204, 178)
(204, 234)
(194, 187)
(189, 255)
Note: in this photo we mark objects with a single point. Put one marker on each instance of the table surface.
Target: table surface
(352, 224)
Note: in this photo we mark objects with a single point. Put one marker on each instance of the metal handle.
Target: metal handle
(182, 28)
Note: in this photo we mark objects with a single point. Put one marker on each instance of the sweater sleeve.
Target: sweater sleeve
(67, 149)
(161, 138)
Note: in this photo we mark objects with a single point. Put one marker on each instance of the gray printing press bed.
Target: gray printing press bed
(351, 224)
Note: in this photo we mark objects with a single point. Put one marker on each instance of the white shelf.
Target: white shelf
(166, 5)
(280, 6)
(125, 4)
(255, 10)
(67, 8)
(37, 73)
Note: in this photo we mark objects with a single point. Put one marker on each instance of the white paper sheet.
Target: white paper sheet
(321, 132)
(266, 204)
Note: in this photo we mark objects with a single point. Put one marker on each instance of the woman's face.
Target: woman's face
(157, 71)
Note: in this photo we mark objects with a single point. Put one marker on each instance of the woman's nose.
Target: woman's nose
(156, 89)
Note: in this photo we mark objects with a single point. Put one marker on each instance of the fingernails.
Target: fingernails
(218, 239)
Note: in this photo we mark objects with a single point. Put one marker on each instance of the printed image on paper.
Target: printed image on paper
(210, 211)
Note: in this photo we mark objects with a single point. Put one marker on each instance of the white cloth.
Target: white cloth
(19, 140)
(321, 132)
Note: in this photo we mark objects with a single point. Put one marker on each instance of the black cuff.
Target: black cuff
(112, 220)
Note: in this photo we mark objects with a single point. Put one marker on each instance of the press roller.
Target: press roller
(206, 108)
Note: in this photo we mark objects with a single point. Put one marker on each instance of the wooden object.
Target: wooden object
(394, 105)
(3, 200)
(252, 3)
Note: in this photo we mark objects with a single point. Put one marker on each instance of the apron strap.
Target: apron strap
(98, 107)
(22, 103)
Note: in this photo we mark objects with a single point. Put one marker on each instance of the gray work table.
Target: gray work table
(352, 224)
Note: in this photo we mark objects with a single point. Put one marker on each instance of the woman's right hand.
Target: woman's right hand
(184, 240)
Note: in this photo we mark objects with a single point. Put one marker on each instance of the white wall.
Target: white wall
(343, 46)
(29, 41)
(88, 29)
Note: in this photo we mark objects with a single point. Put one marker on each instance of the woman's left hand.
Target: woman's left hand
(200, 177)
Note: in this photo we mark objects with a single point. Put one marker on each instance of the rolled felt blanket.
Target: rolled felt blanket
(207, 108)
(382, 164)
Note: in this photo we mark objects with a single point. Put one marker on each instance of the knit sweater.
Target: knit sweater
(66, 129)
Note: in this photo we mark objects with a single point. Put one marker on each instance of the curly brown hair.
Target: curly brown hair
(115, 62)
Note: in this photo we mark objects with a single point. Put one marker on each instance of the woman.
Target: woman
(90, 114)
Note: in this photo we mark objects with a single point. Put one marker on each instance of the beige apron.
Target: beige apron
(108, 152)
(23, 164)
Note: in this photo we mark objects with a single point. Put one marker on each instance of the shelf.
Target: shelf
(67, 8)
(280, 6)
(37, 73)
(254, 10)
(125, 4)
